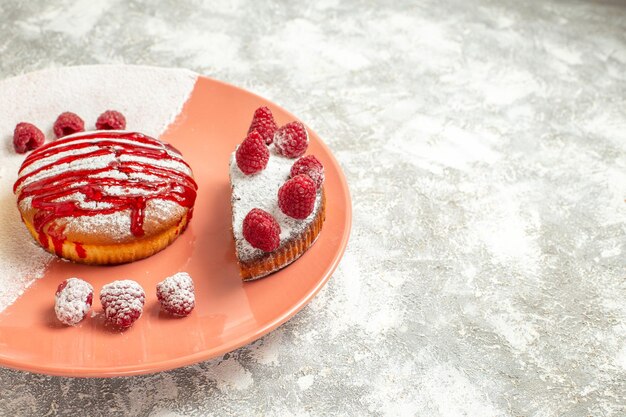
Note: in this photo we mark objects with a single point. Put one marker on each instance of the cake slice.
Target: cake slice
(267, 169)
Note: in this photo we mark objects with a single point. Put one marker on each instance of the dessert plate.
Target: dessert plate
(228, 313)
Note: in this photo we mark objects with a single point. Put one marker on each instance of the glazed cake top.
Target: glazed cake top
(261, 191)
(104, 181)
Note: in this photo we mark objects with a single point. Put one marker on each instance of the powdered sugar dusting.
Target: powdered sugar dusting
(150, 98)
(79, 198)
(73, 302)
(22, 261)
(261, 191)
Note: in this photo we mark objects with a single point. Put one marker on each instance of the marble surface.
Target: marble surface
(485, 147)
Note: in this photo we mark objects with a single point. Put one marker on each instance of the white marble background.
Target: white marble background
(485, 146)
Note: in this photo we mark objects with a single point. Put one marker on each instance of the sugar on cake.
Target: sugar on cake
(278, 200)
(105, 197)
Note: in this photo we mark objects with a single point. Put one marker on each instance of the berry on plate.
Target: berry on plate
(263, 122)
(252, 154)
(72, 301)
(68, 123)
(291, 140)
(296, 197)
(176, 294)
(111, 120)
(27, 137)
(310, 166)
(122, 302)
(261, 230)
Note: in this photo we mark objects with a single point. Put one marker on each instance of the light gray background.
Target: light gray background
(485, 147)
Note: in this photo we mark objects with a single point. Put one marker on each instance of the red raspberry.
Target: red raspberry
(122, 302)
(27, 137)
(111, 120)
(72, 301)
(261, 230)
(310, 166)
(176, 294)
(252, 155)
(296, 198)
(263, 122)
(68, 123)
(291, 140)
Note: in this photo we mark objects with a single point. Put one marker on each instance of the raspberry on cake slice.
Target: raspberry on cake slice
(291, 140)
(311, 166)
(252, 155)
(261, 230)
(296, 198)
(264, 123)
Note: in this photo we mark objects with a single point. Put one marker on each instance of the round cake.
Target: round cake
(105, 197)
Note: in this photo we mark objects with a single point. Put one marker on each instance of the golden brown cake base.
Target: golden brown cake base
(112, 254)
(287, 252)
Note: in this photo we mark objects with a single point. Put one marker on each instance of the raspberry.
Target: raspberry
(111, 120)
(176, 294)
(27, 137)
(291, 140)
(261, 230)
(296, 198)
(263, 122)
(68, 123)
(310, 166)
(72, 301)
(252, 155)
(122, 302)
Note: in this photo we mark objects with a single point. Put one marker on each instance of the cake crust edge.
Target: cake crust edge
(115, 253)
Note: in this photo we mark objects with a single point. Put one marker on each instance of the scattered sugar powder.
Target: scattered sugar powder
(21, 260)
(150, 98)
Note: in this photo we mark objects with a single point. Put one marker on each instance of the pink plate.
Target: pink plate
(228, 313)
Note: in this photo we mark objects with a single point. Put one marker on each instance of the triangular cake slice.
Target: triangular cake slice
(260, 190)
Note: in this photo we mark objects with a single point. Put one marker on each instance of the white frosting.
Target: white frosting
(261, 191)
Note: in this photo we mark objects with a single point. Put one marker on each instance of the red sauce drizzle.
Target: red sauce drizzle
(80, 250)
(171, 185)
